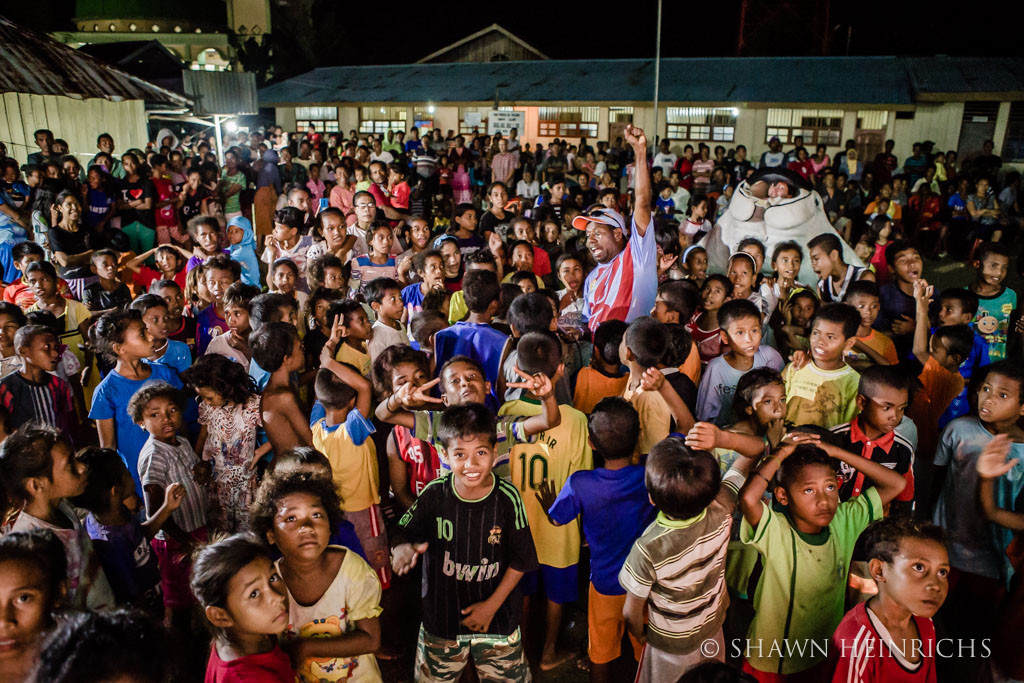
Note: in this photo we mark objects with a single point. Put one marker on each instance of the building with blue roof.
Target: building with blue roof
(956, 102)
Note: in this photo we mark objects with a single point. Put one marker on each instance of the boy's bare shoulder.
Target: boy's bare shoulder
(278, 396)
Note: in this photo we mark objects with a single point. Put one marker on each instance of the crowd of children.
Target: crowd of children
(382, 419)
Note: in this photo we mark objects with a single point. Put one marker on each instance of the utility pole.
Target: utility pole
(657, 76)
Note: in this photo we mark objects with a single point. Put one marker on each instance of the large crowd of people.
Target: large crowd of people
(401, 400)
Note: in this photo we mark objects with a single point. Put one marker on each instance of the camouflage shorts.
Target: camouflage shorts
(497, 658)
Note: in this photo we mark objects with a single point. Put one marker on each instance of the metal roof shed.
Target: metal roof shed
(45, 84)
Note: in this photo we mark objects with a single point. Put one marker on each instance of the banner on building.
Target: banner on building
(501, 121)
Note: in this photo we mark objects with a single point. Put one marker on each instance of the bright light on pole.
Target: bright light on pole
(231, 126)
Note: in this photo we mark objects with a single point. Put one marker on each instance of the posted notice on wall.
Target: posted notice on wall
(500, 121)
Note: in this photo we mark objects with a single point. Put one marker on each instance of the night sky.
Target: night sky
(310, 33)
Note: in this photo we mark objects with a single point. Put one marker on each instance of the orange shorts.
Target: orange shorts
(605, 627)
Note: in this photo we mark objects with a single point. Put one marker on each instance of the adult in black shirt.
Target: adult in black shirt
(70, 241)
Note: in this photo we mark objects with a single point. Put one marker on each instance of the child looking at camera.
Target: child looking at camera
(108, 293)
(385, 298)
(284, 241)
(740, 324)
(715, 291)
(33, 393)
(123, 338)
(412, 462)
(356, 333)
(822, 391)
(246, 605)
(33, 578)
(333, 625)
(996, 301)
(234, 345)
(379, 262)
(872, 347)
(479, 581)
(166, 459)
(218, 273)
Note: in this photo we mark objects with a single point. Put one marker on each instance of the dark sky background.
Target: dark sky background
(312, 33)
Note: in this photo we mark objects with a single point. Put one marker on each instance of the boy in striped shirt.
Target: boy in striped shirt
(677, 567)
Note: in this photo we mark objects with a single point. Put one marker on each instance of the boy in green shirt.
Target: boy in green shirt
(806, 539)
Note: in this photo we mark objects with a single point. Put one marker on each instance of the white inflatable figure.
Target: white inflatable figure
(774, 205)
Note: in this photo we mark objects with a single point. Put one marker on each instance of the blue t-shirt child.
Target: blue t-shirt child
(130, 565)
(177, 356)
(412, 299)
(99, 206)
(614, 508)
(110, 400)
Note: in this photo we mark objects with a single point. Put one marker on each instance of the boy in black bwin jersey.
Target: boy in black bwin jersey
(471, 528)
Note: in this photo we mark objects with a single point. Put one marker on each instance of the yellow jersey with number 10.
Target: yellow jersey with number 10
(554, 455)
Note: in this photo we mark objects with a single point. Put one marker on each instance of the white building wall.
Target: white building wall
(1002, 118)
(285, 117)
(78, 121)
(939, 122)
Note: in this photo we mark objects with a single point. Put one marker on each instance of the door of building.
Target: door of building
(979, 125)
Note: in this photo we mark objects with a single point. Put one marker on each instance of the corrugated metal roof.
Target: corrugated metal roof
(965, 74)
(36, 64)
(841, 80)
(221, 92)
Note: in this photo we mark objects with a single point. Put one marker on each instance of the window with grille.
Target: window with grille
(620, 114)
(423, 120)
(823, 126)
(1013, 147)
(873, 119)
(568, 122)
(467, 128)
(381, 119)
(324, 118)
(701, 123)
(980, 112)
